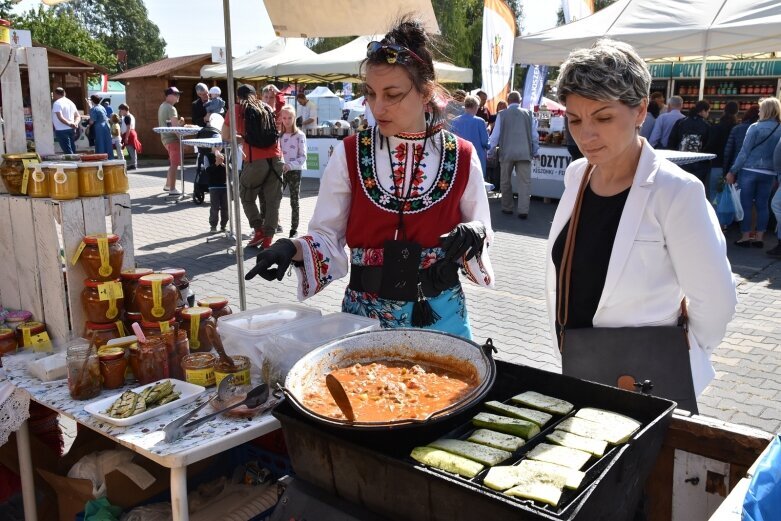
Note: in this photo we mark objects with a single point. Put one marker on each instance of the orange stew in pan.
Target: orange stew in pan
(392, 391)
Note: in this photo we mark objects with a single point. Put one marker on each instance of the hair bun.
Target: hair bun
(410, 33)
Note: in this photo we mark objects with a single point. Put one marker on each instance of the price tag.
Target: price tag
(165, 327)
(110, 291)
(41, 343)
(76, 255)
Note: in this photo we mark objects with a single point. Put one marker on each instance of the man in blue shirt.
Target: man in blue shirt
(660, 135)
(472, 128)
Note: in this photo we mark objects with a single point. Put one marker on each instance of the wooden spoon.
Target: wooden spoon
(340, 396)
(216, 341)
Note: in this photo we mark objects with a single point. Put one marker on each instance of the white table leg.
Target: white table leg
(179, 494)
(26, 471)
(181, 164)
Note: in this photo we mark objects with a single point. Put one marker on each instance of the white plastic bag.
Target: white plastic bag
(735, 193)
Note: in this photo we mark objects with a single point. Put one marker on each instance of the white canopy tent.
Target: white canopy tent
(260, 63)
(343, 64)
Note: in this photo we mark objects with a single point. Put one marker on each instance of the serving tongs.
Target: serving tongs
(255, 398)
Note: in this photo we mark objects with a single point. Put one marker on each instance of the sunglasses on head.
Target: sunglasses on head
(391, 53)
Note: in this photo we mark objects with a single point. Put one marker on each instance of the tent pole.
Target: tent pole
(235, 151)
(702, 76)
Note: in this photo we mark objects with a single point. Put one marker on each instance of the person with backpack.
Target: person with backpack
(691, 134)
(262, 170)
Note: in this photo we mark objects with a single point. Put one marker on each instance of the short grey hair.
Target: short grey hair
(514, 97)
(471, 102)
(675, 102)
(608, 71)
(201, 87)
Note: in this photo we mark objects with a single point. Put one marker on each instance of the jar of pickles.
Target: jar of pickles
(26, 331)
(37, 184)
(156, 297)
(90, 179)
(218, 305)
(104, 332)
(113, 364)
(196, 322)
(63, 180)
(8, 343)
(115, 176)
(130, 278)
(199, 368)
(83, 372)
(152, 361)
(12, 171)
(102, 257)
(102, 301)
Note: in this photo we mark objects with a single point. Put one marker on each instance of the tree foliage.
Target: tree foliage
(64, 32)
(6, 9)
(119, 25)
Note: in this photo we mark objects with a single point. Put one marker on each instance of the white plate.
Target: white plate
(189, 393)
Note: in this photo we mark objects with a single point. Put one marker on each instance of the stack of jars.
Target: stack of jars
(156, 300)
(18, 330)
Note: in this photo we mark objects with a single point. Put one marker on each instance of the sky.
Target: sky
(195, 26)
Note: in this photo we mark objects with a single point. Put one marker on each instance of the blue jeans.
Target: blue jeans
(775, 205)
(755, 190)
(716, 173)
(65, 139)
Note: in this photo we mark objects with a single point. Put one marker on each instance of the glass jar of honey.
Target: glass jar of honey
(115, 176)
(63, 181)
(83, 372)
(90, 179)
(12, 171)
(113, 364)
(8, 343)
(152, 361)
(26, 330)
(37, 184)
(102, 301)
(104, 332)
(130, 278)
(156, 297)
(218, 305)
(199, 368)
(196, 322)
(102, 257)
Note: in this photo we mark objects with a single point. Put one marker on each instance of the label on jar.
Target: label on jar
(120, 328)
(38, 175)
(165, 327)
(26, 337)
(240, 378)
(110, 291)
(60, 177)
(100, 172)
(157, 299)
(105, 266)
(195, 326)
(202, 377)
(25, 180)
(41, 343)
(76, 255)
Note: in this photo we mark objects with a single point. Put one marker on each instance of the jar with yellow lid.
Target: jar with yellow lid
(240, 370)
(63, 181)
(199, 368)
(113, 364)
(90, 179)
(196, 322)
(156, 297)
(102, 301)
(8, 343)
(115, 176)
(130, 279)
(12, 171)
(218, 305)
(37, 183)
(102, 256)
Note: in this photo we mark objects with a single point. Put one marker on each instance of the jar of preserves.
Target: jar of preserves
(12, 171)
(133, 358)
(182, 283)
(240, 371)
(196, 321)
(113, 364)
(90, 179)
(63, 181)
(130, 318)
(8, 343)
(26, 330)
(199, 368)
(160, 329)
(102, 301)
(115, 176)
(14, 318)
(104, 332)
(129, 279)
(156, 297)
(102, 257)
(181, 349)
(218, 305)
(152, 361)
(83, 372)
(37, 184)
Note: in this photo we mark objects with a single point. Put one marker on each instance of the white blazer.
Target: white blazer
(668, 244)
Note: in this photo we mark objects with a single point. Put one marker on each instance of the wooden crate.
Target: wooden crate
(36, 236)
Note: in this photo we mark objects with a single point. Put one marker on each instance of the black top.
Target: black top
(599, 218)
(198, 113)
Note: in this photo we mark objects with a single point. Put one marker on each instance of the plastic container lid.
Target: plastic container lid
(135, 273)
(328, 328)
(164, 278)
(93, 239)
(261, 321)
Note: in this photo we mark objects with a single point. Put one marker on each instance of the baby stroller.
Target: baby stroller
(205, 157)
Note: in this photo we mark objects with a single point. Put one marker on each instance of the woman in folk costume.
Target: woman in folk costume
(407, 198)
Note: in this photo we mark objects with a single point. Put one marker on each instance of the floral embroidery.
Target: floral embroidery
(389, 312)
(374, 256)
(418, 201)
(320, 266)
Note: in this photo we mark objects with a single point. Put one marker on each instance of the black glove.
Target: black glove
(441, 275)
(280, 253)
(465, 239)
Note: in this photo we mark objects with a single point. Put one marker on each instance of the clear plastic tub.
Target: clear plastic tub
(285, 348)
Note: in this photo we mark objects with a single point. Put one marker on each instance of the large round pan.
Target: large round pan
(418, 345)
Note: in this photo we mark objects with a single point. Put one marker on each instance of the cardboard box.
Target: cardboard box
(73, 494)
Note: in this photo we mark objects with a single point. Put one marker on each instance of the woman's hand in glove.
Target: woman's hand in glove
(280, 253)
(465, 239)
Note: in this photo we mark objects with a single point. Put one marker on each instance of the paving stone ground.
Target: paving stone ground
(747, 388)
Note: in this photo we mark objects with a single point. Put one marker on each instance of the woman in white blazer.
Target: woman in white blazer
(647, 236)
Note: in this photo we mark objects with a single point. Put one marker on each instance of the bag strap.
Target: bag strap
(565, 270)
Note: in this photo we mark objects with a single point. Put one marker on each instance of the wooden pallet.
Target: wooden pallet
(36, 235)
